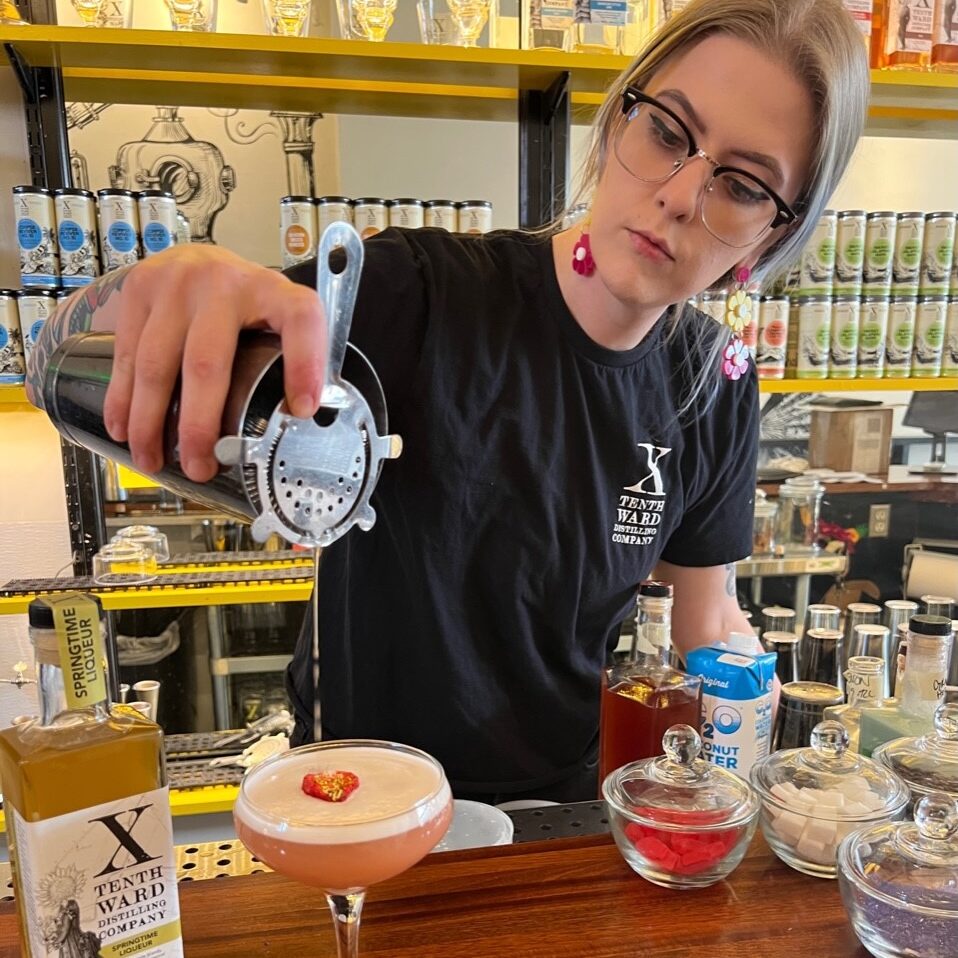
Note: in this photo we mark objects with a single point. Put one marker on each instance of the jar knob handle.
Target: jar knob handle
(830, 740)
(682, 745)
(946, 721)
(936, 816)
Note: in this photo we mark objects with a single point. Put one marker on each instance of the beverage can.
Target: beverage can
(442, 214)
(817, 267)
(873, 330)
(906, 262)
(846, 319)
(158, 223)
(35, 220)
(880, 229)
(931, 317)
(12, 363)
(297, 229)
(712, 303)
(814, 336)
(849, 252)
(772, 337)
(408, 213)
(901, 336)
(77, 236)
(370, 216)
(333, 209)
(750, 329)
(119, 228)
(938, 253)
(475, 216)
(949, 358)
(35, 307)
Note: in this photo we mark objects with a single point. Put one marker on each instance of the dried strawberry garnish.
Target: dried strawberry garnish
(331, 786)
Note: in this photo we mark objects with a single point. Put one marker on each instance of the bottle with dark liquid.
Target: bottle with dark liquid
(644, 697)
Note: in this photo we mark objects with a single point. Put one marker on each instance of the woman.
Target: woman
(567, 429)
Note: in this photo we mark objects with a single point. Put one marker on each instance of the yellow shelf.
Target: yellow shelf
(856, 385)
(14, 399)
(398, 79)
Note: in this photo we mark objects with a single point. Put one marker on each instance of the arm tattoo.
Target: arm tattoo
(76, 315)
(730, 579)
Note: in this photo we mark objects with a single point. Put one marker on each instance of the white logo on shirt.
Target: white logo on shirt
(639, 515)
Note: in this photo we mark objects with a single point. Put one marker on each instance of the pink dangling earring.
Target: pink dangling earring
(582, 261)
(738, 315)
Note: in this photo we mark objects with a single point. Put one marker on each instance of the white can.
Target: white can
(872, 333)
(12, 365)
(817, 266)
(901, 336)
(76, 236)
(906, 263)
(119, 228)
(930, 321)
(298, 229)
(814, 336)
(880, 229)
(938, 254)
(333, 209)
(158, 223)
(712, 303)
(772, 337)
(442, 215)
(370, 216)
(849, 253)
(949, 358)
(474, 216)
(183, 234)
(846, 320)
(35, 307)
(35, 220)
(407, 213)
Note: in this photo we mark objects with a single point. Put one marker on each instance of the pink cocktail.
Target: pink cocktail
(396, 816)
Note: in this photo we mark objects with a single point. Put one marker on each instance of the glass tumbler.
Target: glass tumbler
(287, 18)
(197, 16)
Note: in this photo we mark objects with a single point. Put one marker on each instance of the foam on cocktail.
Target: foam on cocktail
(398, 791)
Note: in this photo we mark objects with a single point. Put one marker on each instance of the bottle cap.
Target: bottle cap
(657, 590)
(929, 625)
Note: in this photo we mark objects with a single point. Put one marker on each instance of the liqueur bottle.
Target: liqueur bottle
(87, 804)
(902, 34)
(645, 696)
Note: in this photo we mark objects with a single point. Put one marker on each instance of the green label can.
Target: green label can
(814, 336)
(901, 336)
(906, 263)
(817, 267)
(846, 317)
(949, 358)
(873, 330)
(930, 319)
(849, 252)
(880, 229)
(938, 245)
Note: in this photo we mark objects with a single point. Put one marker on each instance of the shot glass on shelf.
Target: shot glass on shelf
(88, 11)
(436, 25)
(470, 17)
(117, 14)
(374, 18)
(197, 16)
(287, 18)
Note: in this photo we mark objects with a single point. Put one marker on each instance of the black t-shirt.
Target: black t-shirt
(542, 478)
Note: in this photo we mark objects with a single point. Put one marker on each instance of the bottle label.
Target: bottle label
(863, 690)
(76, 618)
(101, 881)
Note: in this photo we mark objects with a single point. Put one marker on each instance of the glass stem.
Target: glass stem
(346, 911)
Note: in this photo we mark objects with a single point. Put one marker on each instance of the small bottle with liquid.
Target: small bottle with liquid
(865, 688)
(645, 696)
(902, 34)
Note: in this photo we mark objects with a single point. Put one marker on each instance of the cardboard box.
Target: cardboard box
(850, 439)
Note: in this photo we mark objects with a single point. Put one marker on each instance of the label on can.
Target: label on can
(475, 218)
(297, 231)
(119, 231)
(77, 239)
(407, 215)
(772, 338)
(35, 309)
(333, 212)
(938, 253)
(846, 318)
(906, 262)
(909, 25)
(849, 252)
(930, 319)
(880, 229)
(814, 337)
(901, 336)
(442, 215)
(12, 363)
(370, 218)
(818, 258)
(37, 238)
(949, 359)
(873, 331)
(158, 223)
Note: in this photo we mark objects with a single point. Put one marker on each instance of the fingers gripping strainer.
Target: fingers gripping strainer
(312, 478)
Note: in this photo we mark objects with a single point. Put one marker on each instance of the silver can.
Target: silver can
(158, 223)
(849, 252)
(949, 358)
(35, 221)
(818, 257)
(370, 216)
(298, 229)
(77, 236)
(333, 209)
(442, 215)
(475, 216)
(407, 213)
(712, 303)
(12, 363)
(814, 336)
(119, 228)
(901, 336)
(846, 323)
(930, 321)
(880, 229)
(938, 253)
(772, 337)
(906, 263)
(35, 307)
(183, 234)
(872, 333)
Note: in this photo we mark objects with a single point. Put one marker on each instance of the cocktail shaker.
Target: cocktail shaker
(822, 657)
(785, 645)
(858, 613)
(307, 480)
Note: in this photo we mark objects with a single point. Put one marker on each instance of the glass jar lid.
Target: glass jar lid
(927, 763)
(680, 788)
(765, 509)
(828, 781)
(149, 537)
(914, 864)
(123, 562)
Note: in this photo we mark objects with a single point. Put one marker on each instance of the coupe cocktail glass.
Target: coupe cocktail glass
(396, 816)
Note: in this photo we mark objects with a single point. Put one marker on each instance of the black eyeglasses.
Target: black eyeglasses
(653, 144)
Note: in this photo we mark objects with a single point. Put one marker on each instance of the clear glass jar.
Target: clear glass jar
(763, 529)
(799, 511)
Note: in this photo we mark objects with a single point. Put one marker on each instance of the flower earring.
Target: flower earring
(738, 315)
(582, 261)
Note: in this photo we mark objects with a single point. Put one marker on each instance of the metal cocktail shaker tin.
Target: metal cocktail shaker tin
(897, 612)
(873, 641)
(801, 707)
(785, 645)
(822, 657)
(822, 616)
(858, 613)
(778, 618)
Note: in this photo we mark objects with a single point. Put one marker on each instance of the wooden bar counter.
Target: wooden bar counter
(565, 898)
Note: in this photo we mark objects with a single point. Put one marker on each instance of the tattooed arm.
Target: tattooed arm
(85, 310)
